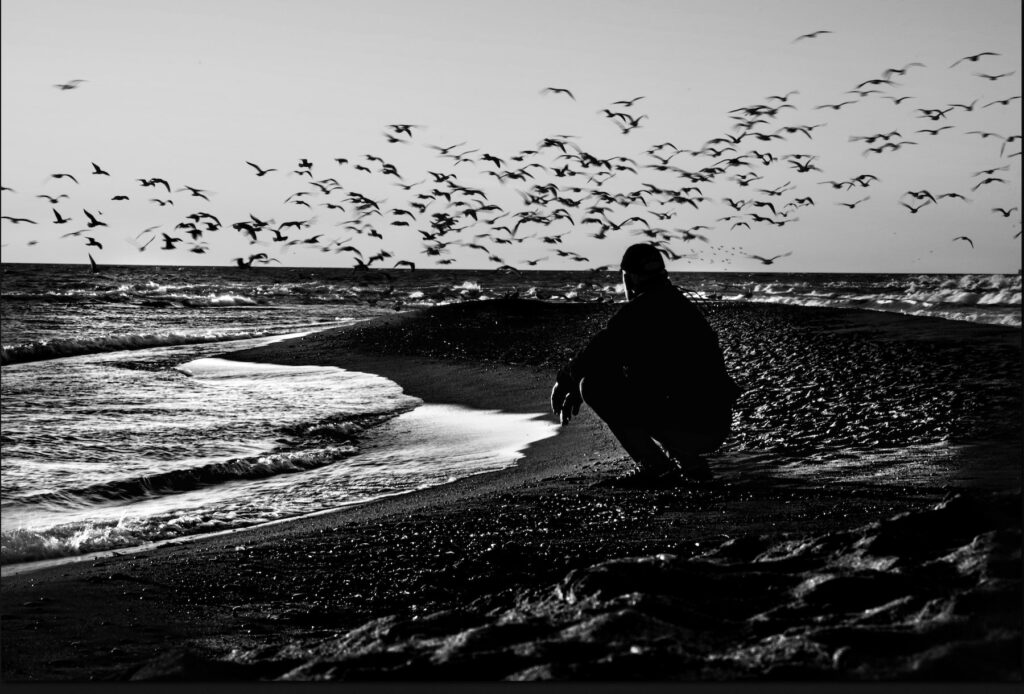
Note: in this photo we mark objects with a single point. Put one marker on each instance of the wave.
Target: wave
(323, 443)
(178, 481)
(73, 347)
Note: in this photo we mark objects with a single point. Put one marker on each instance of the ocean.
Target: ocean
(120, 426)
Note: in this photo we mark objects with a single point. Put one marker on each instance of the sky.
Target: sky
(191, 91)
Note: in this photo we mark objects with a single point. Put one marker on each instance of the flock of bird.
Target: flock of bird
(565, 190)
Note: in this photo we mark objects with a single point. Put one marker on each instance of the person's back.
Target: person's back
(655, 374)
(672, 348)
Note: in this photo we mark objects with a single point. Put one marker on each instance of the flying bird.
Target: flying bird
(1004, 212)
(813, 34)
(973, 58)
(93, 222)
(64, 175)
(70, 84)
(1002, 102)
(836, 107)
(913, 210)
(403, 128)
(259, 171)
(769, 261)
(993, 78)
(988, 180)
(964, 238)
(558, 90)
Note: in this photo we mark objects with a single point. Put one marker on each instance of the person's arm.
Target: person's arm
(606, 347)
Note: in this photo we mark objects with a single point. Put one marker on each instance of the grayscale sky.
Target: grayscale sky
(189, 91)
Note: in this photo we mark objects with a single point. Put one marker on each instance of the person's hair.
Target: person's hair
(644, 265)
(643, 259)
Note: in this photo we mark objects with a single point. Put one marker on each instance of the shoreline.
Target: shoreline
(327, 596)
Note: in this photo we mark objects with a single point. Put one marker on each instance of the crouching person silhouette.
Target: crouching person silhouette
(656, 376)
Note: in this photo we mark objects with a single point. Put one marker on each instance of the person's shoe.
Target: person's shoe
(693, 468)
(643, 478)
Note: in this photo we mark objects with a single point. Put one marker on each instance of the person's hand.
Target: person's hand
(571, 406)
(565, 401)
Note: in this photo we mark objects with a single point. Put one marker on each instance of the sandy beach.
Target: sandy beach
(864, 524)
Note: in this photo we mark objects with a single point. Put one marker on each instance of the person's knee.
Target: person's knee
(590, 389)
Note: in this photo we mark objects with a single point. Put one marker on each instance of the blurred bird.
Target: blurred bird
(769, 261)
(813, 34)
(93, 222)
(558, 90)
(973, 58)
(259, 171)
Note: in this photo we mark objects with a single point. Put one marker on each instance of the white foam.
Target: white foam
(425, 447)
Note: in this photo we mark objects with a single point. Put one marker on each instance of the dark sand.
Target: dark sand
(531, 573)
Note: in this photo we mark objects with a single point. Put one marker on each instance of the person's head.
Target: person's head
(642, 268)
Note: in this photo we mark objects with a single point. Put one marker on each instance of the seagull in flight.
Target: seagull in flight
(813, 34)
(259, 171)
(93, 222)
(964, 238)
(993, 78)
(558, 90)
(973, 58)
(769, 261)
(70, 84)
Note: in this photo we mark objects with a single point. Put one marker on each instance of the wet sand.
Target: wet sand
(897, 557)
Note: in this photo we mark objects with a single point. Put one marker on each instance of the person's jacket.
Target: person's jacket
(665, 348)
